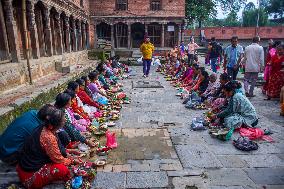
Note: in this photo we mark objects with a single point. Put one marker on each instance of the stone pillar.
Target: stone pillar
(94, 29)
(73, 35)
(129, 36)
(163, 36)
(112, 39)
(83, 36)
(3, 26)
(79, 37)
(58, 34)
(47, 32)
(179, 34)
(67, 33)
(146, 29)
(11, 31)
(88, 36)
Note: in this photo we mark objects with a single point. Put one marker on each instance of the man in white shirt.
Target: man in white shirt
(191, 48)
(254, 63)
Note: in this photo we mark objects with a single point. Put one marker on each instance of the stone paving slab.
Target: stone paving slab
(229, 177)
(146, 180)
(197, 155)
(109, 180)
(266, 176)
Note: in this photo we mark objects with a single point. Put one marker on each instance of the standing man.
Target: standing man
(254, 63)
(233, 55)
(215, 53)
(147, 49)
(191, 49)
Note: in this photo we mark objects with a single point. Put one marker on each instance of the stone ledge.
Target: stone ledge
(40, 95)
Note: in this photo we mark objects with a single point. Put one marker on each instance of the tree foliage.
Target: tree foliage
(276, 8)
(250, 17)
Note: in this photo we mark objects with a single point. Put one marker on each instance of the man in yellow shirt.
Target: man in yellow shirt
(147, 49)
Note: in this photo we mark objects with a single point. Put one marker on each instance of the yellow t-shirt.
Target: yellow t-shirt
(147, 50)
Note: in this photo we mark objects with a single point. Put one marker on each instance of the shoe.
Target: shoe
(144, 76)
(147, 75)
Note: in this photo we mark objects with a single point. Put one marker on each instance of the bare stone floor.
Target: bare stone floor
(157, 149)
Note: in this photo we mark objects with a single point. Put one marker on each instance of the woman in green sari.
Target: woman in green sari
(239, 112)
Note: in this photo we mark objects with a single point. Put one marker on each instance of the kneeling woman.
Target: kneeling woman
(239, 111)
(41, 161)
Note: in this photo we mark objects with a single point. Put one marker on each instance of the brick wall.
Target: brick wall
(225, 33)
(170, 8)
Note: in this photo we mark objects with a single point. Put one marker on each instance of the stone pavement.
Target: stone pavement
(157, 149)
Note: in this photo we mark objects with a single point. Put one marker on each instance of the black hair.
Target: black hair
(225, 77)
(276, 43)
(195, 65)
(205, 74)
(213, 38)
(256, 39)
(85, 78)
(70, 93)
(54, 118)
(44, 111)
(234, 37)
(72, 85)
(62, 100)
(236, 84)
(80, 82)
(93, 75)
(229, 87)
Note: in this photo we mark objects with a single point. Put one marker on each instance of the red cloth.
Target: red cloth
(86, 99)
(254, 133)
(46, 175)
(78, 110)
(276, 77)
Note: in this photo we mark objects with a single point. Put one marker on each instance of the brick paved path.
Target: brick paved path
(157, 149)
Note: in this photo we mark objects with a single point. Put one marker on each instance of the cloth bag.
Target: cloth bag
(111, 140)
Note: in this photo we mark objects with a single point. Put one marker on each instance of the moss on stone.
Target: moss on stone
(36, 103)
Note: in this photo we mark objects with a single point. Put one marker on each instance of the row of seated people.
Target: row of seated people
(40, 143)
(224, 97)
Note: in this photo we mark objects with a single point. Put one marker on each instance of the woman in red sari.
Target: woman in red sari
(276, 78)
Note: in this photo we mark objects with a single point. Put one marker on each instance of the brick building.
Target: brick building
(61, 31)
(58, 33)
(125, 22)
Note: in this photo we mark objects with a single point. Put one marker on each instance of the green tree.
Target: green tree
(276, 8)
(202, 10)
(232, 20)
(199, 10)
(250, 17)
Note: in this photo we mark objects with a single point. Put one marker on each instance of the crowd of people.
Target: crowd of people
(226, 98)
(45, 144)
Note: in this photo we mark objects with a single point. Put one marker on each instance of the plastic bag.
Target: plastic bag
(111, 140)
(103, 100)
(121, 95)
(77, 182)
(140, 60)
(197, 124)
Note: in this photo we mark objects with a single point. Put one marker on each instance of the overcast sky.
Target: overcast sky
(221, 14)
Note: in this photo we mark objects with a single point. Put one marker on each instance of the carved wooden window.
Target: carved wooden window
(121, 5)
(154, 33)
(121, 35)
(156, 5)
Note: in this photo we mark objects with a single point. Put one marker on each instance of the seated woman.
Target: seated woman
(63, 101)
(94, 87)
(85, 98)
(77, 105)
(102, 79)
(41, 161)
(239, 112)
(87, 82)
(212, 87)
(21, 128)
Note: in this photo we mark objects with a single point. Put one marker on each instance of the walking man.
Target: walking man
(147, 49)
(233, 55)
(215, 53)
(254, 63)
